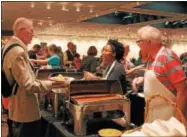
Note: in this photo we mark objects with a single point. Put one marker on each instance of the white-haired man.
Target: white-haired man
(24, 113)
(164, 75)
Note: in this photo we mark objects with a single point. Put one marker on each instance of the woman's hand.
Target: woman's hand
(90, 76)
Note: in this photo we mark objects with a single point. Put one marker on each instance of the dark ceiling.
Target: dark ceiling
(120, 17)
(124, 18)
(168, 6)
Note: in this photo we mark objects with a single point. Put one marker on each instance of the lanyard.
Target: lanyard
(112, 66)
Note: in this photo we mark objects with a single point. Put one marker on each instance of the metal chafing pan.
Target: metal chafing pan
(101, 98)
(43, 74)
(64, 90)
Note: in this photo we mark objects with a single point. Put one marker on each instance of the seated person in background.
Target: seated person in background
(133, 60)
(53, 60)
(69, 54)
(128, 65)
(142, 59)
(126, 62)
(35, 49)
(101, 68)
(164, 75)
(112, 54)
(77, 61)
(90, 62)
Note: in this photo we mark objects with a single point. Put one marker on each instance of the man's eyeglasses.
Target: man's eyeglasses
(138, 41)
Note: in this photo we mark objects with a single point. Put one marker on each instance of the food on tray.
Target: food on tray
(59, 77)
(94, 98)
(110, 133)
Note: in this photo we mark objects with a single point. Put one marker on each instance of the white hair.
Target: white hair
(150, 33)
(21, 23)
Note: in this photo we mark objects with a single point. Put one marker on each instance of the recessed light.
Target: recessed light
(50, 23)
(91, 10)
(78, 6)
(49, 17)
(32, 4)
(78, 9)
(40, 23)
(48, 6)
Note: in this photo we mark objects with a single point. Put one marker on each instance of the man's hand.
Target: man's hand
(137, 82)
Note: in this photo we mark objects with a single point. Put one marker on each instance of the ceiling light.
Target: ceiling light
(78, 9)
(64, 8)
(32, 4)
(48, 6)
(91, 8)
(50, 23)
(167, 22)
(116, 13)
(78, 5)
(40, 23)
(49, 17)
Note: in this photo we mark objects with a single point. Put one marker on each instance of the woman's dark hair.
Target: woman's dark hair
(92, 51)
(37, 46)
(117, 47)
(77, 55)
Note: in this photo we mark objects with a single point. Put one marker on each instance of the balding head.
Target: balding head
(150, 33)
(21, 23)
(23, 29)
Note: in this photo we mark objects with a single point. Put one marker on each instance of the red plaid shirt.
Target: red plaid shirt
(168, 69)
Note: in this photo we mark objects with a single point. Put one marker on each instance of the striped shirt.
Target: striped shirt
(168, 69)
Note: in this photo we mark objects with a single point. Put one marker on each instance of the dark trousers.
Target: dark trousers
(30, 129)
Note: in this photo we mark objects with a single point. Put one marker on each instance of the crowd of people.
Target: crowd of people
(164, 73)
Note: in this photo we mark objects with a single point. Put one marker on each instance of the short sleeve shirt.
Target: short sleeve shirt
(54, 61)
(168, 69)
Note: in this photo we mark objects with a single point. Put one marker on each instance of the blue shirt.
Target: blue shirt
(54, 61)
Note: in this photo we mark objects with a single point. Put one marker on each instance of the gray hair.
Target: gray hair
(21, 23)
(150, 33)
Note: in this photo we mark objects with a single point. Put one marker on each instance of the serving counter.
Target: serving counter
(52, 127)
(55, 125)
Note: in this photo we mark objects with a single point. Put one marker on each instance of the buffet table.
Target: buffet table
(46, 121)
(52, 127)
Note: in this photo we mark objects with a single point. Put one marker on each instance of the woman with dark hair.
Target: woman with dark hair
(77, 61)
(90, 62)
(112, 53)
